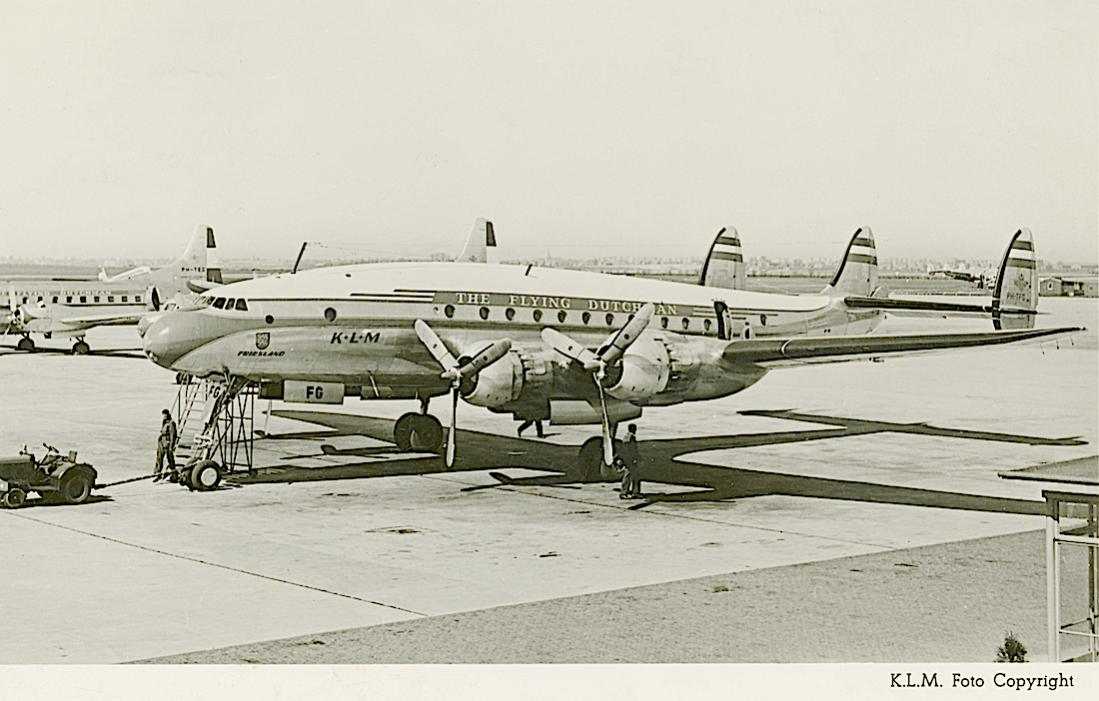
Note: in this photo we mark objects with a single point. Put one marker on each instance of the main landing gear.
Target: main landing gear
(592, 468)
(81, 347)
(25, 344)
(419, 432)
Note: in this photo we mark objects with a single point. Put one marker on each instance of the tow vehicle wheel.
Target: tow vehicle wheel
(15, 498)
(592, 468)
(25, 344)
(206, 476)
(76, 486)
(81, 348)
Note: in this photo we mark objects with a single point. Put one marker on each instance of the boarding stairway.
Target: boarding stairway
(214, 418)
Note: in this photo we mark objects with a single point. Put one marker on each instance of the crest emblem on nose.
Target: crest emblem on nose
(263, 339)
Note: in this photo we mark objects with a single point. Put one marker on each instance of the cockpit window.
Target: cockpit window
(229, 303)
(242, 306)
(219, 303)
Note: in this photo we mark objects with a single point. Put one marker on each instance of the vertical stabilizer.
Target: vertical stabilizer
(481, 245)
(213, 267)
(724, 264)
(193, 259)
(858, 271)
(1015, 298)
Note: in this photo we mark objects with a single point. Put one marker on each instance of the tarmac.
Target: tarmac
(814, 467)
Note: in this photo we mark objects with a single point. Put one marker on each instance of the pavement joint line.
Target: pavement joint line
(517, 490)
(218, 565)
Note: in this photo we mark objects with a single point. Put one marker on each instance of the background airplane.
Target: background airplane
(559, 345)
(72, 307)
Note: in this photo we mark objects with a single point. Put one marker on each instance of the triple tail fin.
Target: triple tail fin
(1015, 297)
(481, 245)
(858, 271)
(724, 264)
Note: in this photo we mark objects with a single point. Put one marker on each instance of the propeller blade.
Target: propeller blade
(570, 349)
(12, 306)
(451, 437)
(435, 345)
(485, 357)
(617, 344)
(608, 442)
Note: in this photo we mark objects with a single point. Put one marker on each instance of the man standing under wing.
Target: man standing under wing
(631, 484)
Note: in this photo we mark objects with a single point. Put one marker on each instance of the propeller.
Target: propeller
(457, 371)
(596, 362)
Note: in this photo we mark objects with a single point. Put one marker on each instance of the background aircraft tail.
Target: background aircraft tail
(481, 245)
(724, 264)
(858, 271)
(1015, 297)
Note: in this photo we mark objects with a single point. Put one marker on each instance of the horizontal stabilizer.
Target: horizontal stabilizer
(899, 305)
(834, 349)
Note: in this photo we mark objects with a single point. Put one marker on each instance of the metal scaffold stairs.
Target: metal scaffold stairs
(215, 419)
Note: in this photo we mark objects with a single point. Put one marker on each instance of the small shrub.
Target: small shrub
(1012, 650)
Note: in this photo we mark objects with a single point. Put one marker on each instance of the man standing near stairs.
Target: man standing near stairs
(166, 446)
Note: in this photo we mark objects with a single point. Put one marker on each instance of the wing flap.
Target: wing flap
(778, 352)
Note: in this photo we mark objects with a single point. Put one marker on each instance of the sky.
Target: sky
(580, 128)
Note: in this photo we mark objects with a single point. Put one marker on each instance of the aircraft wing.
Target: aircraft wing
(73, 323)
(779, 352)
(200, 286)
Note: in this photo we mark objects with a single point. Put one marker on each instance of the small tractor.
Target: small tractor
(56, 478)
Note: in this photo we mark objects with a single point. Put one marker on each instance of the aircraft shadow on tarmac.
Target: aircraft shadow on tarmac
(660, 462)
(105, 353)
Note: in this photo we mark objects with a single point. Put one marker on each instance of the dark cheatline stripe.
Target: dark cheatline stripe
(1022, 245)
(724, 255)
(1020, 263)
(860, 258)
(860, 241)
(727, 241)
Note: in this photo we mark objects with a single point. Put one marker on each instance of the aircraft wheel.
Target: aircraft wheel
(402, 432)
(81, 348)
(25, 344)
(427, 433)
(76, 486)
(206, 476)
(15, 498)
(592, 468)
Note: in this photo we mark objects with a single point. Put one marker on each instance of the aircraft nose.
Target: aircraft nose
(168, 337)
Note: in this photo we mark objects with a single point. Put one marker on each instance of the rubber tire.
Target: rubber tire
(206, 476)
(76, 486)
(402, 432)
(25, 344)
(15, 498)
(81, 348)
(427, 434)
(592, 468)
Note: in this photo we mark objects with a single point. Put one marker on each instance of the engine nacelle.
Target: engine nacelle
(643, 371)
(498, 384)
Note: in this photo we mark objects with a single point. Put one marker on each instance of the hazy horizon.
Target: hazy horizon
(580, 129)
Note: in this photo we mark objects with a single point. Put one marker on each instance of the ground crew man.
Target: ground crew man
(537, 423)
(631, 480)
(166, 446)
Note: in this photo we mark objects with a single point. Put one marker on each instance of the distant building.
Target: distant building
(1058, 286)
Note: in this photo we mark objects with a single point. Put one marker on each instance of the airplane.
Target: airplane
(566, 346)
(72, 307)
(984, 279)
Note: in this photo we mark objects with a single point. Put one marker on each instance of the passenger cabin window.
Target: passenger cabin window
(96, 300)
(329, 314)
(110, 298)
(137, 299)
(537, 315)
(68, 299)
(562, 315)
(242, 306)
(219, 303)
(83, 299)
(125, 298)
(586, 317)
(55, 300)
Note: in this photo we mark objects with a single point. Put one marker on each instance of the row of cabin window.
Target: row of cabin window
(585, 317)
(84, 299)
(228, 304)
